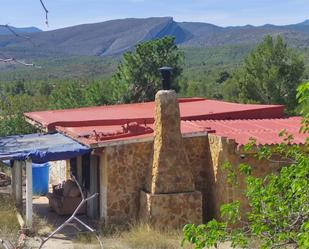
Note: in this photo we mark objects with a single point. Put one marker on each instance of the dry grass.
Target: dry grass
(9, 225)
(40, 226)
(85, 238)
(140, 236)
(143, 236)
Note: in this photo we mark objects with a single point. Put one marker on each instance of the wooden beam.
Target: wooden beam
(29, 211)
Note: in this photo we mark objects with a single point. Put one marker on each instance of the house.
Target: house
(121, 162)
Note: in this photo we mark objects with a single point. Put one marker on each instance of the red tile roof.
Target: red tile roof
(265, 131)
(105, 125)
(190, 109)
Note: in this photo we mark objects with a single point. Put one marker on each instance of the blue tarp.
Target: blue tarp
(41, 148)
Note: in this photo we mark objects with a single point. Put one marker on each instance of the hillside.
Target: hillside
(107, 38)
(117, 36)
(27, 30)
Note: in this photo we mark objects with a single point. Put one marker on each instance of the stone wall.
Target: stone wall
(196, 148)
(166, 211)
(124, 169)
(224, 150)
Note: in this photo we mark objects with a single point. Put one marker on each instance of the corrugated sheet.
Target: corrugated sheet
(265, 131)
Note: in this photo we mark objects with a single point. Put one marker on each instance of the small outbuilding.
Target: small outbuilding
(162, 158)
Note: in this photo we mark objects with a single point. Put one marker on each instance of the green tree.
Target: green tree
(12, 108)
(67, 95)
(138, 76)
(270, 74)
(279, 203)
(101, 92)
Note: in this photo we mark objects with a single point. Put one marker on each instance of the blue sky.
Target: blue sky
(64, 13)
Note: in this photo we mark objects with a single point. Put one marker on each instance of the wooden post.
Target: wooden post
(92, 205)
(79, 166)
(29, 193)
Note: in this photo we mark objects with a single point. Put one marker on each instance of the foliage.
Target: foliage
(67, 95)
(279, 208)
(101, 92)
(270, 74)
(74, 94)
(11, 116)
(303, 98)
(138, 73)
(18, 98)
(279, 203)
(202, 72)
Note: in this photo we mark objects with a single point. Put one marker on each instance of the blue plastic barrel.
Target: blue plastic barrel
(40, 175)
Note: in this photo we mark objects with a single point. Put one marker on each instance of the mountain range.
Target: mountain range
(8, 31)
(114, 37)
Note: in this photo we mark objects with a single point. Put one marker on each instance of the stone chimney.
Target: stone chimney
(171, 171)
(170, 200)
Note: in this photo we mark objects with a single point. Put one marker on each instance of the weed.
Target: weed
(9, 225)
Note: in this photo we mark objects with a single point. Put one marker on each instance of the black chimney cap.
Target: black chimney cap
(164, 69)
(166, 77)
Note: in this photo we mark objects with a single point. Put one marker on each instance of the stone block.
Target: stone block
(171, 211)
